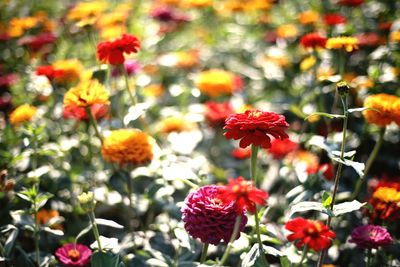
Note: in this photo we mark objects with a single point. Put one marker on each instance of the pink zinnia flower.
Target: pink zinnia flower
(370, 236)
(71, 255)
(131, 67)
(209, 217)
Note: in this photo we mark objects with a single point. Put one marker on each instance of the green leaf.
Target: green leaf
(10, 242)
(285, 261)
(347, 207)
(102, 259)
(83, 232)
(253, 258)
(307, 206)
(42, 199)
(108, 223)
(24, 196)
(331, 116)
(351, 110)
(326, 199)
(357, 166)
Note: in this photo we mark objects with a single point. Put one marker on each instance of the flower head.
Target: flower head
(383, 110)
(334, 19)
(79, 113)
(313, 40)
(127, 146)
(216, 113)
(49, 71)
(349, 44)
(370, 236)
(23, 113)
(244, 193)
(71, 70)
(86, 93)
(280, 148)
(386, 203)
(131, 67)
(253, 127)
(209, 217)
(313, 234)
(175, 124)
(308, 17)
(112, 52)
(216, 82)
(71, 255)
(353, 3)
(87, 13)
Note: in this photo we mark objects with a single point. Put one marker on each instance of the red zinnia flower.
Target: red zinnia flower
(313, 40)
(241, 153)
(334, 19)
(244, 193)
(216, 113)
(112, 52)
(313, 234)
(351, 2)
(280, 148)
(49, 71)
(79, 113)
(254, 126)
(36, 43)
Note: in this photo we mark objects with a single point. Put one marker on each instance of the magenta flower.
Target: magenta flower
(208, 217)
(370, 236)
(131, 67)
(71, 255)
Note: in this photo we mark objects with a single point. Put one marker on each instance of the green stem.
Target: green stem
(127, 87)
(338, 172)
(131, 208)
(94, 123)
(234, 235)
(204, 253)
(2, 250)
(303, 256)
(36, 233)
(369, 163)
(253, 174)
(95, 229)
(369, 257)
(253, 164)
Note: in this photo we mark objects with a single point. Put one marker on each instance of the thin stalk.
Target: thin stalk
(129, 185)
(127, 87)
(36, 233)
(253, 174)
(369, 257)
(370, 161)
(2, 251)
(95, 229)
(235, 233)
(338, 172)
(204, 253)
(303, 256)
(94, 123)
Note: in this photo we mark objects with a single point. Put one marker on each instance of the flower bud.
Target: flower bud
(87, 201)
(343, 88)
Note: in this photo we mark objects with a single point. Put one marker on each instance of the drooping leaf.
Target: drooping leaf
(10, 242)
(108, 223)
(83, 232)
(351, 110)
(331, 116)
(347, 207)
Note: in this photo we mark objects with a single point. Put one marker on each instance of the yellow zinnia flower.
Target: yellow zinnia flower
(287, 31)
(18, 26)
(72, 70)
(216, 82)
(22, 114)
(347, 43)
(175, 124)
(86, 93)
(387, 194)
(308, 63)
(127, 146)
(386, 106)
(86, 13)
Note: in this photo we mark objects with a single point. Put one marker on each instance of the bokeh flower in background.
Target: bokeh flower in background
(23, 113)
(370, 236)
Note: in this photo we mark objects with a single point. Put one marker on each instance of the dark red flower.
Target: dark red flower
(7, 80)
(369, 39)
(280, 148)
(254, 127)
(244, 193)
(334, 19)
(208, 217)
(385, 25)
(79, 113)
(112, 52)
(313, 40)
(313, 234)
(216, 113)
(71, 255)
(49, 71)
(351, 2)
(241, 153)
(37, 42)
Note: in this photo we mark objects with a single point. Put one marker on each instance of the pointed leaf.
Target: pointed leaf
(347, 207)
(331, 116)
(83, 232)
(351, 110)
(108, 223)
(326, 199)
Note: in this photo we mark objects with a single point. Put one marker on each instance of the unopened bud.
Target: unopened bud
(343, 88)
